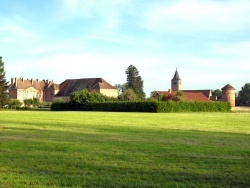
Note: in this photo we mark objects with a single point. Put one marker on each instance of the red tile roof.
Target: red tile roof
(206, 92)
(195, 96)
(187, 95)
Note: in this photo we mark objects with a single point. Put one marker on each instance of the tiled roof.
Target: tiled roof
(176, 76)
(72, 85)
(206, 92)
(195, 96)
(20, 83)
(52, 86)
(228, 87)
(187, 95)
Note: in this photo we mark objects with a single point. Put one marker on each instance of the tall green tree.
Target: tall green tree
(4, 85)
(134, 81)
(244, 95)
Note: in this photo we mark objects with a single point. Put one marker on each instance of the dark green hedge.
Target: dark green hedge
(169, 106)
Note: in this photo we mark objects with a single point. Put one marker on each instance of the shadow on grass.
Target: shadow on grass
(119, 157)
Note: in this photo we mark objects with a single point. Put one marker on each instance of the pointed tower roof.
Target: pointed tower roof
(176, 76)
(228, 87)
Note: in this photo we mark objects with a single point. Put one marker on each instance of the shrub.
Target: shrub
(14, 103)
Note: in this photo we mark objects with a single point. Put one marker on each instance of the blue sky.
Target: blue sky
(208, 41)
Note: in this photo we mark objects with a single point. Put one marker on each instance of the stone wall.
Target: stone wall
(241, 109)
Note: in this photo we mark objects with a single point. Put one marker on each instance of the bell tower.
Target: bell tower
(176, 82)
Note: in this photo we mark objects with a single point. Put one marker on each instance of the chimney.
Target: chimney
(22, 80)
(31, 81)
(11, 81)
(37, 80)
(15, 82)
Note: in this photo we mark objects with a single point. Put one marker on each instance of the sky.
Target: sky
(208, 41)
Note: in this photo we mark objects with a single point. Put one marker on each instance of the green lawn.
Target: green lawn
(102, 149)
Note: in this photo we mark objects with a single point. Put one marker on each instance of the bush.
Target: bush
(14, 103)
(59, 104)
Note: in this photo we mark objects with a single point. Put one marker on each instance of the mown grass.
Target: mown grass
(102, 149)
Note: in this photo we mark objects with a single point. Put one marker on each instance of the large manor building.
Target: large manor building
(46, 90)
(204, 95)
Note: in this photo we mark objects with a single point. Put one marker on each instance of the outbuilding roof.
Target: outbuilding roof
(187, 95)
(72, 85)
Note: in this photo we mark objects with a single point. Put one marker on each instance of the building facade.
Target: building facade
(47, 90)
(22, 89)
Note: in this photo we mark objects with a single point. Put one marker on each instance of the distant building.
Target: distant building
(98, 85)
(176, 82)
(25, 89)
(228, 92)
(47, 90)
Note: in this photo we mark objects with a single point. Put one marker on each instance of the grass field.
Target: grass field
(101, 149)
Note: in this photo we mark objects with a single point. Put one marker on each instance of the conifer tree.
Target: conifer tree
(134, 81)
(4, 85)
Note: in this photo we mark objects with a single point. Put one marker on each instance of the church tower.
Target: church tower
(176, 82)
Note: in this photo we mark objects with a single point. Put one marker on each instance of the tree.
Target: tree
(79, 98)
(244, 95)
(4, 85)
(36, 102)
(134, 81)
(170, 96)
(14, 103)
(128, 95)
(217, 93)
(28, 102)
